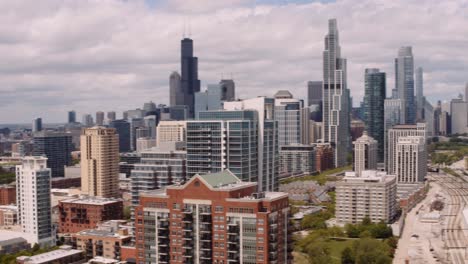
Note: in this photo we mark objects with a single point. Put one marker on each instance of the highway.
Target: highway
(453, 236)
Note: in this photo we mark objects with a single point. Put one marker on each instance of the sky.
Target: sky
(115, 55)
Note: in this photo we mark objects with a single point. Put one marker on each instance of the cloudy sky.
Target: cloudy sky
(91, 55)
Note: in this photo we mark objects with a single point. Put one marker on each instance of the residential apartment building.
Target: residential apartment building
(8, 215)
(104, 241)
(297, 158)
(411, 159)
(100, 162)
(57, 147)
(324, 157)
(371, 194)
(33, 196)
(394, 134)
(7, 194)
(213, 218)
(365, 153)
(77, 214)
(170, 131)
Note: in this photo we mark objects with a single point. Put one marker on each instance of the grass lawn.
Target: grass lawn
(300, 258)
(321, 178)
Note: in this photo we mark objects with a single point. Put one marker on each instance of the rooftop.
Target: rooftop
(91, 200)
(48, 257)
(368, 176)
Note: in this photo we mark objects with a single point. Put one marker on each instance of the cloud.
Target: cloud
(116, 55)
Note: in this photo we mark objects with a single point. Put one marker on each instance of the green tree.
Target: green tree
(319, 253)
(127, 213)
(352, 231)
(371, 251)
(347, 256)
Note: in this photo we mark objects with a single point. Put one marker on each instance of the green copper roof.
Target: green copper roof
(220, 178)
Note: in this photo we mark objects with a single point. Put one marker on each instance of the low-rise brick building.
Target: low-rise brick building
(82, 213)
(7, 194)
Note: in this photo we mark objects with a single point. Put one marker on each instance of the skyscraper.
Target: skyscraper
(420, 101)
(228, 90)
(100, 162)
(33, 200)
(315, 100)
(335, 96)
(87, 120)
(176, 94)
(404, 80)
(392, 116)
(122, 128)
(292, 118)
(211, 99)
(190, 83)
(365, 154)
(458, 114)
(374, 98)
(111, 116)
(57, 147)
(99, 118)
(71, 116)
(268, 151)
(37, 125)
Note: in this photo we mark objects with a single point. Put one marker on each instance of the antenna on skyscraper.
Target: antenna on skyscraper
(183, 35)
(190, 30)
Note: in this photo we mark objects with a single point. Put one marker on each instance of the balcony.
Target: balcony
(273, 256)
(205, 255)
(188, 218)
(233, 247)
(205, 218)
(233, 257)
(233, 229)
(205, 237)
(233, 239)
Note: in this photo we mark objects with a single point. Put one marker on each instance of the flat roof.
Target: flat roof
(91, 200)
(50, 256)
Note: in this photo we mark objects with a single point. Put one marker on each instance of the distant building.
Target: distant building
(99, 118)
(100, 162)
(7, 194)
(94, 242)
(22, 148)
(444, 123)
(420, 99)
(87, 120)
(122, 128)
(37, 125)
(393, 135)
(8, 215)
(372, 194)
(404, 81)
(77, 214)
(171, 131)
(222, 219)
(297, 159)
(228, 90)
(292, 119)
(324, 157)
(458, 114)
(176, 94)
(190, 84)
(365, 154)
(33, 200)
(375, 94)
(71, 117)
(411, 159)
(111, 116)
(357, 129)
(209, 99)
(315, 131)
(145, 143)
(57, 147)
(314, 93)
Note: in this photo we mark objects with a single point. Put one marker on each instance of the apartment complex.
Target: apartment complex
(33, 196)
(159, 167)
(394, 134)
(77, 214)
(371, 194)
(297, 158)
(169, 131)
(8, 215)
(213, 218)
(57, 147)
(100, 162)
(365, 153)
(411, 159)
(324, 157)
(104, 241)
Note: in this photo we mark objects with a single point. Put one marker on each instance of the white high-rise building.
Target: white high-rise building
(33, 200)
(365, 153)
(171, 131)
(411, 159)
(394, 134)
(336, 100)
(459, 112)
(292, 118)
(371, 194)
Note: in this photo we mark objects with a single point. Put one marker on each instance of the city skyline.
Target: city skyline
(47, 74)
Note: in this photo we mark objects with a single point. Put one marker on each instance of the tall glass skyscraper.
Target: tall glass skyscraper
(420, 100)
(374, 99)
(336, 99)
(190, 84)
(404, 81)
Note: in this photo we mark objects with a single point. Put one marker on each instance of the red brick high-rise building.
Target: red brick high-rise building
(83, 213)
(213, 218)
(324, 157)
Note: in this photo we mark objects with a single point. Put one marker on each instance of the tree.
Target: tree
(127, 213)
(352, 231)
(371, 251)
(366, 221)
(36, 247)
(347, 256)
(319, 253)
